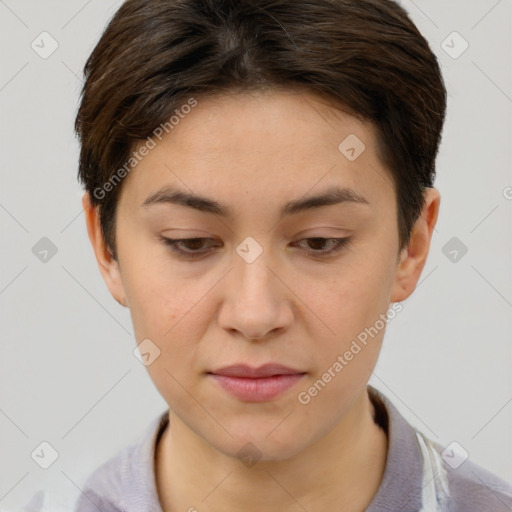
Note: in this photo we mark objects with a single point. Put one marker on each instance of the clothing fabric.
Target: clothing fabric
(418, 477)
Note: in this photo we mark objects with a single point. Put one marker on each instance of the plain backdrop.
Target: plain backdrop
(68, 375)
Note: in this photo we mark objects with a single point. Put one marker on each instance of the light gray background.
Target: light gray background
(67, 372)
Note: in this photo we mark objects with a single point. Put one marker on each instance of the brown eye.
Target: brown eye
(316, 243)
(193, 246)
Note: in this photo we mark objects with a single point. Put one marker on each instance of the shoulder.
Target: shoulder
(423, 475)
(49, 501)
(470, 487)
(126, 481)
(104, 488)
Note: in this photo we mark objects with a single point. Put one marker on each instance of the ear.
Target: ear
(414, 256)
(109, 267)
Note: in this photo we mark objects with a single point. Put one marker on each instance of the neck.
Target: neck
(342, 471)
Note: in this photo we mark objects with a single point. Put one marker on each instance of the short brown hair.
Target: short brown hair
(366, 56)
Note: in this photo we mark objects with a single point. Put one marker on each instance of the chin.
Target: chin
(256, 444)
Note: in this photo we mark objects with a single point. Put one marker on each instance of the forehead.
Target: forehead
(271, 146)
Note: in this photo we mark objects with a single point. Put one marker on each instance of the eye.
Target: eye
(194, 247)
(337, 245)
(194, 244)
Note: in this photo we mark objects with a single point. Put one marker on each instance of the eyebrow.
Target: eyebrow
(331, 196)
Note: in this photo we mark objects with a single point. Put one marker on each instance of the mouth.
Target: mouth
(260, 384)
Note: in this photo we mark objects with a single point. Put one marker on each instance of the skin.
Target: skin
(253, 153)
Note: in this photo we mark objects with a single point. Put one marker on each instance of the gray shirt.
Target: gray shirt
(420, 476)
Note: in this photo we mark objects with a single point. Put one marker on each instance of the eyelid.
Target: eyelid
(339, 245)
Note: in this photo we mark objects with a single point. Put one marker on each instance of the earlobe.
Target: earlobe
(414, 256)
(108, 266)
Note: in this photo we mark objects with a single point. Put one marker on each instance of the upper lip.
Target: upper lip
(266, 370)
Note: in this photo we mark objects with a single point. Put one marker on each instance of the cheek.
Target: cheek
(157, 295)
(347, 351)
(351, 308)
(168, 309)
(350, 300)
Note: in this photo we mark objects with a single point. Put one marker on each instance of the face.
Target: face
(266, 276)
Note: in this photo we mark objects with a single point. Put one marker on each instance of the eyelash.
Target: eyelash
(173, 243)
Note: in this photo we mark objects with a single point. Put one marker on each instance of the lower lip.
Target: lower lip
(257, 390)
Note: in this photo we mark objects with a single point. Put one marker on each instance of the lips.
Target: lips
(261, 384)
(245, 371)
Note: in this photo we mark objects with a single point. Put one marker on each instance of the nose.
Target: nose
(256, 299)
